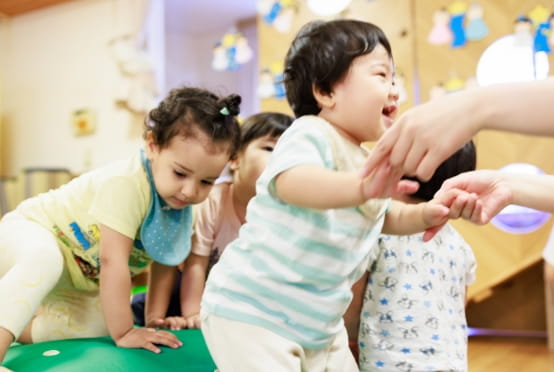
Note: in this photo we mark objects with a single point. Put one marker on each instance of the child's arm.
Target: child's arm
(115, 288)
(406, 219)
(310, 186)
(161, 282)
(192, 287)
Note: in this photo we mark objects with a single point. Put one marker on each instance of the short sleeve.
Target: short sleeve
(205, 226)
(120, 205)
(301, 144)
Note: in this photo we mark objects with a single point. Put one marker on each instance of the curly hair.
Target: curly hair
(187, 109)
(321, 54)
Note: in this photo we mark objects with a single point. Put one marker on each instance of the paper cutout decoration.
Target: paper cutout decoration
(271, 82)
(327, 8)
(476, 28)
(278, 13)
(230, 52)
(458, 24)
(523, 32)
(457, 17)
(440, 33)
(542, 20)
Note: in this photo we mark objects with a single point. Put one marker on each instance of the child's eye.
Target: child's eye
(268, 148)
(179, 174)
(207, 183)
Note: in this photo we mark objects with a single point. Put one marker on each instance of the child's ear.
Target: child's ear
(234, 163)
(151, 145)
(323, 99)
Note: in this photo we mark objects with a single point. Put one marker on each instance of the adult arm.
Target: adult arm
(425, 135)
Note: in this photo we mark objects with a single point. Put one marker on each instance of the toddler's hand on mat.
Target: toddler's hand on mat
(148, 338)
(171, 322)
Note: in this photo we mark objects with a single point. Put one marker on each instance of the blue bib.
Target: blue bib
(165, 232)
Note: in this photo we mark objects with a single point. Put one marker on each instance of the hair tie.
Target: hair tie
(224, 111)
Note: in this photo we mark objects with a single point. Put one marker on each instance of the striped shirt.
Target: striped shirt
(291, 269)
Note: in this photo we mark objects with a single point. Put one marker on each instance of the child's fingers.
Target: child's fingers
(431, 232)
(165, 338)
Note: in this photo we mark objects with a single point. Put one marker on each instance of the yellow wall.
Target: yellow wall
(407, 24)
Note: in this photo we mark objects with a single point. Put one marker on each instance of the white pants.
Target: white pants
(33, 282)
(237, 346)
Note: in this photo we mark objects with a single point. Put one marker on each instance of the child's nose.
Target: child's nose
(189, 190)
(394, 92)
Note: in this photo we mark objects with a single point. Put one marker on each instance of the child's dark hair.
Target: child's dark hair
(321, 54)
(271, 124)
(186, 109)
(464, 160)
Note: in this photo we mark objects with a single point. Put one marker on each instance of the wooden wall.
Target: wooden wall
(407, 23)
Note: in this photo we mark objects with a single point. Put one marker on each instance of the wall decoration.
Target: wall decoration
(271, 81)
(458, 24)
(230, 52)
(278, 13)
(516, 219)
(457, 16)
(514, 57)
(440, 33)
(83, 122)
(327, 8)
(476, 28)
(523, 32)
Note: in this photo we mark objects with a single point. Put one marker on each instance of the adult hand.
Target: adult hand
(492, 191)
(422, 138)
(148, 338)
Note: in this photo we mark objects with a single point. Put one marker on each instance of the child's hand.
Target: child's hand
(435, 215)
(171, 322)
(193, 321)
(458, 204)
(4, 369)
(148, 338)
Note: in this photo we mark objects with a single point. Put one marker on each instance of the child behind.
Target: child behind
(68, 255)
(413, 312)
(218, 220)
(277, 296)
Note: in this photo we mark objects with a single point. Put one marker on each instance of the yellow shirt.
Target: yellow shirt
(117, 196)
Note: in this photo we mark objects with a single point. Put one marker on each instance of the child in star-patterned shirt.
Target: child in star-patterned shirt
(408, 311)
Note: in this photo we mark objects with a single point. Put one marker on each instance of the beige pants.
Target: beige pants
(33, 283)
(237, 347)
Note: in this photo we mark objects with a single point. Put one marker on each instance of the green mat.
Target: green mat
(101, 354)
